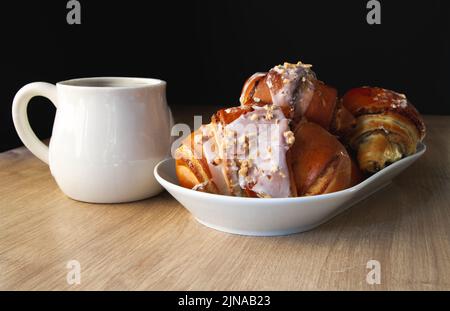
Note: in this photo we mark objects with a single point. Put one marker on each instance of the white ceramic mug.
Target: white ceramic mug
(108, 135)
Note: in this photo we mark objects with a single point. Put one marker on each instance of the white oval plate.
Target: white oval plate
(272, 217)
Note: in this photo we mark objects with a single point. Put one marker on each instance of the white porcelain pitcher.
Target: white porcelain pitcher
(108, 135)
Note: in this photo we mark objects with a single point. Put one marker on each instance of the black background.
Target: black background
(206, 49)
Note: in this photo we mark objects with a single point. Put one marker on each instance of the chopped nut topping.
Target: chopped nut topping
(245, 165)
(254, 117)
(306, 66)
(290, 138)
(269, 115)
(256, 99)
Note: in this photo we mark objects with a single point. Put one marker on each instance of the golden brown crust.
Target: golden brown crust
(228, 115)
(248, 91)
(375, 100)
(322, 107)
(320, 163)
(357, 175)
(343, 121)
(191, 169)
(388, 127)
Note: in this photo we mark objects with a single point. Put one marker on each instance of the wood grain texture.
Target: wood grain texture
(156, 245)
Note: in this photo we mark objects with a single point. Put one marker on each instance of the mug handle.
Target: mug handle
(20, 117)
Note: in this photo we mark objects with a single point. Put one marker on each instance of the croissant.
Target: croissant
(295, 89)
(284, 140)
(388, 127)
(320, 163)
(251, 151)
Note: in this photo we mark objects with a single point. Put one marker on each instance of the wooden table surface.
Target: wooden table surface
(156, 245)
